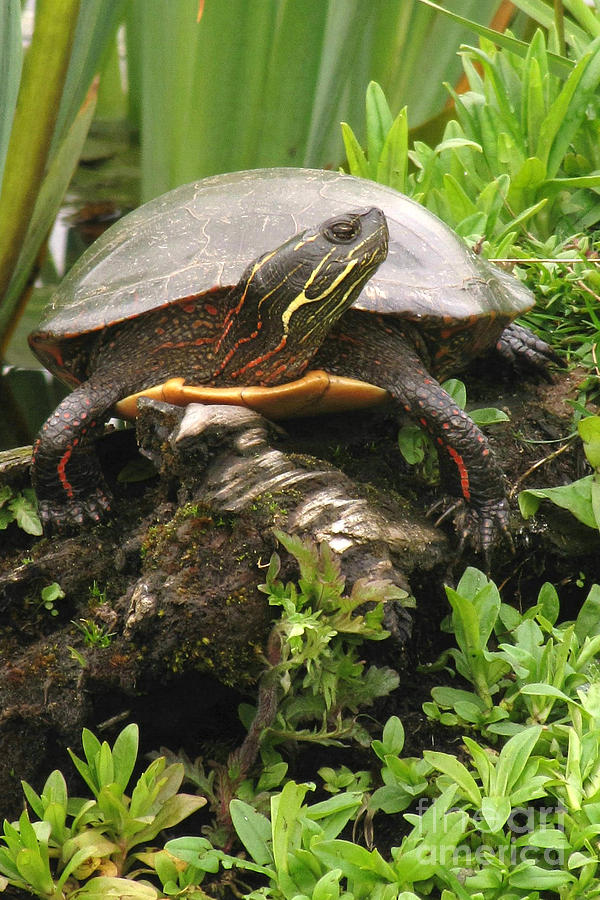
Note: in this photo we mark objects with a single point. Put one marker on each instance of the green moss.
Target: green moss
(200, 655)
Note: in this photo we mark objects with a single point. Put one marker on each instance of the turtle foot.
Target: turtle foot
(481, 526)
(526, 351)
(76, 512)
(484, 526)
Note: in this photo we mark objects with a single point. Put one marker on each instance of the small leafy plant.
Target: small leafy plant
(19, 507)
(94, 635)
(83, 847)
(48, 597)
(582, 497)
(511, 156)
(316, 669)
(524, 667)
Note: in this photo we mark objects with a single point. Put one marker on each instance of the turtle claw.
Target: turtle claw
(524, 350)
(75, 513)
(481, 526)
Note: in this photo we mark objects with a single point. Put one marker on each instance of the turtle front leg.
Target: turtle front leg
(525, 350)
(371, 348)
(467, 463)
(65, 472)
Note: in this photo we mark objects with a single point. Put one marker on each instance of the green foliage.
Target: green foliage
(534, 675)
(94, 635)
(49, 595)
(47, 111)
(581, 497)
(319, 673)
(282, 849)
(521, 152)
(315, 59)
(511, 821)
(97, 595)
(19, 507)
(83, 846)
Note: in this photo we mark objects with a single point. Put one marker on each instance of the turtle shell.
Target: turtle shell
(201, 236)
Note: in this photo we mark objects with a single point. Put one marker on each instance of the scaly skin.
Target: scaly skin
(65, 472)
(523, 349)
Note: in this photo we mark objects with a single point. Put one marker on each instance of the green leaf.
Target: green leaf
(6, 517)
(495, 811)
(482, 762)
(413, 444)
(551, 838)
(328, 886)
(513, 759)
(488, 415)
(471, 582)
(559, 64)
(40, 90)
(24, 510)
(576, 497)
(564, 115)
(457, 391)
(34, 871)
(356, 862)
(285, 809)
(534, 878)
(451, 766)
(542, 12)
(51, 593)
(91, 745)
(540, 689)
(124, 754)
(104, 765)
(589, 432)
(392, 166)
(357, 160)
(50, 194)
(104, 888)
(588, 617)
(253, 830)
(392, 741)
(378, 122)
(11, 57)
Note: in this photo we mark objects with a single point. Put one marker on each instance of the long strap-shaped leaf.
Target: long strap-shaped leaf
(44, 73)
(10, 70)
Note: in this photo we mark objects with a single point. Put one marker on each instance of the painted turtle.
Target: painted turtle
(170, 291)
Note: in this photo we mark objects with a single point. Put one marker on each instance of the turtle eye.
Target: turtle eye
(343, 230)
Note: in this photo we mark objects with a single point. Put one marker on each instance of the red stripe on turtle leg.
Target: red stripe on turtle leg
(66, 484)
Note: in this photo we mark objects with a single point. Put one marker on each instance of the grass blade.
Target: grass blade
(44, 72)
(11, 58)
(55, 183)
(559, 64)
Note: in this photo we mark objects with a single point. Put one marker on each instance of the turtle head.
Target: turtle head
(287, 300)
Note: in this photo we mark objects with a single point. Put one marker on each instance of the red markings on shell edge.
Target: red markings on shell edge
(210, 309)
(462, 471)
(66, 485)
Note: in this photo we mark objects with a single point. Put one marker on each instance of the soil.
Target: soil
(173, 575)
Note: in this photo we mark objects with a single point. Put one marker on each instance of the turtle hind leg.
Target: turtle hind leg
(524, 350)
(65, 471)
